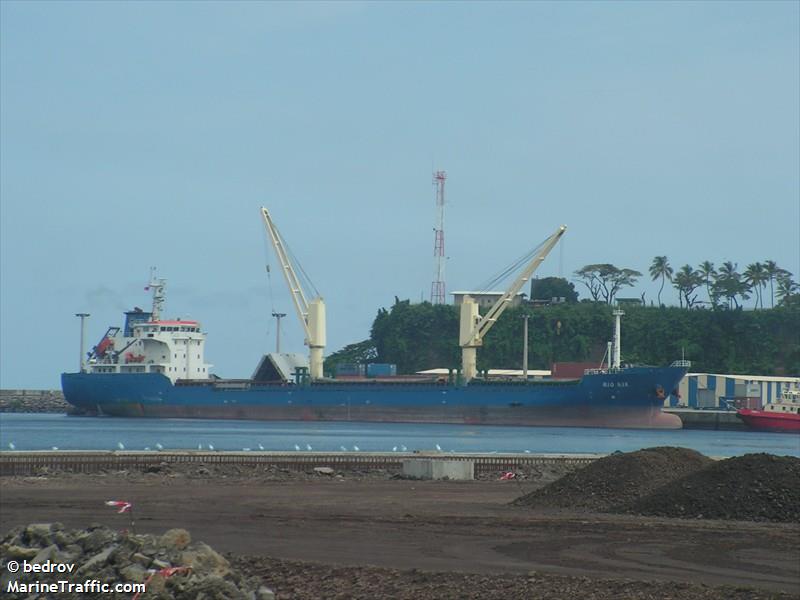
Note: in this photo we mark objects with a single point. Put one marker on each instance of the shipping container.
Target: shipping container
(381, 370)
(350, 370)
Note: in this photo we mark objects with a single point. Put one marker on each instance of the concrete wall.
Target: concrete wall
(434, 468)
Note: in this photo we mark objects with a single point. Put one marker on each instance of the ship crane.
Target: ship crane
(473, 327)
(311, 314)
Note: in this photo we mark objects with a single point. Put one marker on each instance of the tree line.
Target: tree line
(724, 286)
(422, 336)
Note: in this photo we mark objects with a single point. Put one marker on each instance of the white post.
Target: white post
(83, 316)
(617, 343)
(525, 348)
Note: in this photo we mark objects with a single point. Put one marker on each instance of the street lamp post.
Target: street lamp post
(83, 316)
(278, 316)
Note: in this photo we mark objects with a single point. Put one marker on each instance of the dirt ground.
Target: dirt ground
(322, 537)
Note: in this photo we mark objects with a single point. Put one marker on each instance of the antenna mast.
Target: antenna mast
(437, 287)
(157, 286)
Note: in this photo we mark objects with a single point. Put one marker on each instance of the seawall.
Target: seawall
(33, 401)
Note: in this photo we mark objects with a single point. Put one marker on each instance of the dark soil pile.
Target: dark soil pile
(171, 566)
(753, 487)
(293, 580)
(617, 479)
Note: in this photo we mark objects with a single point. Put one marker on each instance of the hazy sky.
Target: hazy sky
(150, 133)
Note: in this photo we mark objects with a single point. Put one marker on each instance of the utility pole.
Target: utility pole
(83, 317)
(525, 348)
(278, 316)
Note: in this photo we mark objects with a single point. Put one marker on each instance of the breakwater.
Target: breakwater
(33, 401)
(40, 462)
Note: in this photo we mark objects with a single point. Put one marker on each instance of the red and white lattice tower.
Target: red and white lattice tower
(437, 287)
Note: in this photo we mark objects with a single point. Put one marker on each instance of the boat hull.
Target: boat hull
(630, 399)
(761, 420)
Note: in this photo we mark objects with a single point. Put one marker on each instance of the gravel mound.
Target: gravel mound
(617, 479)
(753, 487)
(171, 565)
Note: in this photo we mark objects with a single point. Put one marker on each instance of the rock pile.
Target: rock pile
(171, 565)
(753, 487)
(617, 479)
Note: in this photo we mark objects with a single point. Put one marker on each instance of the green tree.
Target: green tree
(756, 277)
(773, 271)
(788, 291)
(686, 281)
(553, 287)
(707, 272)
(604, 280)
(728, 283)
(660, 269)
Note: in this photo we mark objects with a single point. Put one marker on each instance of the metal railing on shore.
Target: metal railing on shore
(76, 461)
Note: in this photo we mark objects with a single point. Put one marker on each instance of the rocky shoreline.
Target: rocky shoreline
(33, 401)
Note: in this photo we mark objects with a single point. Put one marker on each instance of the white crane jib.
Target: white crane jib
(473, 327)
(311, 314)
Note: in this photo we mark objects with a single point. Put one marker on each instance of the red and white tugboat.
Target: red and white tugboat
(782, 415)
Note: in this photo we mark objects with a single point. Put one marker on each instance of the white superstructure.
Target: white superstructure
(149, 344)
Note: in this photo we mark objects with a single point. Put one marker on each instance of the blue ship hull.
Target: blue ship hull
(631, 398)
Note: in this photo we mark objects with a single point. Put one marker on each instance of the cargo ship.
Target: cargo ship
(154, 367)
(783, 415)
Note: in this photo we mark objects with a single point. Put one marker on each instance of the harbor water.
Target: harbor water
(24, 431)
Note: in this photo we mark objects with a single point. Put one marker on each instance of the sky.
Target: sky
(150, 133)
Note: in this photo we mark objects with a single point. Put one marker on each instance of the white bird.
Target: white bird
(403, 448)
(210, 447)
(147, 448)
(199, 446)
(308, 447)
(245, 449)
(355, 448)
(55, 447)
(11, 446)
(342, 448)
(394, 449)
(438, 447)
(120, 445)
(296, 447)
(260, 447)
(527, 451)
(159, 446)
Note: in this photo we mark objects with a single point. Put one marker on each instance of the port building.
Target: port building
(712, 390)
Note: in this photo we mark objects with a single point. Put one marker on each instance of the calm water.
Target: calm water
(43, 431)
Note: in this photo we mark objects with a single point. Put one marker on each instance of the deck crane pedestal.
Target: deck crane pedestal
(473, 327)
(311, 314)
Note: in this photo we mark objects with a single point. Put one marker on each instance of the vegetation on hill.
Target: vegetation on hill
(423, 336)
(716, 334)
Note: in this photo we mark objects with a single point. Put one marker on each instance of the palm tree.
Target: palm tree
(728, 282)
(787, 289)
(660, 268)
(707, 272)
(773, 271)
(756, 276)
(687, 280)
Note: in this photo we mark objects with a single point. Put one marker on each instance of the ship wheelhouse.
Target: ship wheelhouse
(148, 344)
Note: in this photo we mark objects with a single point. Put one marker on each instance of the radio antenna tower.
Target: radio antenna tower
(437, 287)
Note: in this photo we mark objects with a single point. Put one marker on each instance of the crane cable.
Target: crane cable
(508, 271)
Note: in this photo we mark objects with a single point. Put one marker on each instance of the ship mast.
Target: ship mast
(311, 314)
(473, 327)
(157, 285)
